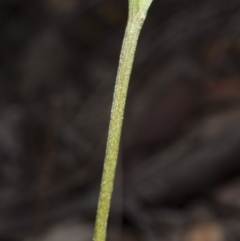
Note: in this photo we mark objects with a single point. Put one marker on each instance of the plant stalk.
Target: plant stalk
(132, 32)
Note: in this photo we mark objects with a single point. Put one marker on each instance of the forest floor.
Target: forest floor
(178, 177)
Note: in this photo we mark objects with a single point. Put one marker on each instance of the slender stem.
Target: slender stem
(125, 67)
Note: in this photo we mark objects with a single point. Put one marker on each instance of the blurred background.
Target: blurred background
(178, 176)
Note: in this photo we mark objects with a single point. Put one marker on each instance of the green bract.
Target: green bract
(139, 6)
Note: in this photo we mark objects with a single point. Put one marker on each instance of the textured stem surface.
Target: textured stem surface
(135, 22)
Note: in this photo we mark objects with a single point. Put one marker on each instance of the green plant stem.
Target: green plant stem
(125, 67)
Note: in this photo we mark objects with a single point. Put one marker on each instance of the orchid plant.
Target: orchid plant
(137, 14)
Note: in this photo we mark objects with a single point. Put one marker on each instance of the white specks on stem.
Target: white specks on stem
(137, 14)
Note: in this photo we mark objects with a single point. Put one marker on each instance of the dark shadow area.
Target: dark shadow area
(178, 173)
